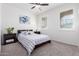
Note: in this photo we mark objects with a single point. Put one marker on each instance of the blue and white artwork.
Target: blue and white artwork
(23, 19)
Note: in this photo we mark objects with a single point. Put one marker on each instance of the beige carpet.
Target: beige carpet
(50, 49)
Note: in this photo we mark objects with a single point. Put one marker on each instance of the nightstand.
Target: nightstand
(9, 37)
(37, 32)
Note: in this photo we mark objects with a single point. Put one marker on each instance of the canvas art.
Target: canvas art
(23, 19)
(44, 22)
(66, 19)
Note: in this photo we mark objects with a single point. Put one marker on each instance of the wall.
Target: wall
(53, 25)
(10, 17)
(11, 14)
(0, 26)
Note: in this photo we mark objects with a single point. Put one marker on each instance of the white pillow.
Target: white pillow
(24, 32)
(30, 32)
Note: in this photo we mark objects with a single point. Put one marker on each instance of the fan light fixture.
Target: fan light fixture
(38, 5)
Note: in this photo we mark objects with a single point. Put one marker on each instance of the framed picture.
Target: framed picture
(44, 22)
(66, 19)
(23, 19)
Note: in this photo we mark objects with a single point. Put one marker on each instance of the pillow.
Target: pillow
(24, 32)
(30, 32)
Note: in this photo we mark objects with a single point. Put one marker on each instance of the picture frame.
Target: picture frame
(44, 22)
(23, 19)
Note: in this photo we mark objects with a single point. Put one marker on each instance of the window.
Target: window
(66, 19)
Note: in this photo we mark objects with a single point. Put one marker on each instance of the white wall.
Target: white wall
(53, 24)
(0, 26)
(10, 17)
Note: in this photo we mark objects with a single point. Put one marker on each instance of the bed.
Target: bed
(30, 40)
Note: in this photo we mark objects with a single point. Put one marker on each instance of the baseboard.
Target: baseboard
(65, 43)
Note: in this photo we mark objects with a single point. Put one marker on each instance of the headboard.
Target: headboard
(19, 31)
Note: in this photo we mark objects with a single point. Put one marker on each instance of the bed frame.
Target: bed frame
(19, 31)
(42, 44)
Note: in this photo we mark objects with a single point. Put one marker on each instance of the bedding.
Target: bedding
(30, 40)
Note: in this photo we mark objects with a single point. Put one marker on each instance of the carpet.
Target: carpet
(50, 49)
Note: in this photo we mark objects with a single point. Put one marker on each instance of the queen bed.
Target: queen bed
(30, 40)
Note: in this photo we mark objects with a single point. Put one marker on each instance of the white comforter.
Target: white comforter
(29, 41)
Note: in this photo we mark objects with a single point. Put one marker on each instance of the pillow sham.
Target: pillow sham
(30, 32)
(24, 32)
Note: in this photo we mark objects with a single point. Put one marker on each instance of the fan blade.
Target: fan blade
(41, 4)
(33, 7)
(35, 3)
(44, 4)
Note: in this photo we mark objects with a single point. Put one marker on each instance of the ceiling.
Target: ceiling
(36, 11)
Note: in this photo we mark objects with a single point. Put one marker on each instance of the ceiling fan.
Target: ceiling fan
(38, 4)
